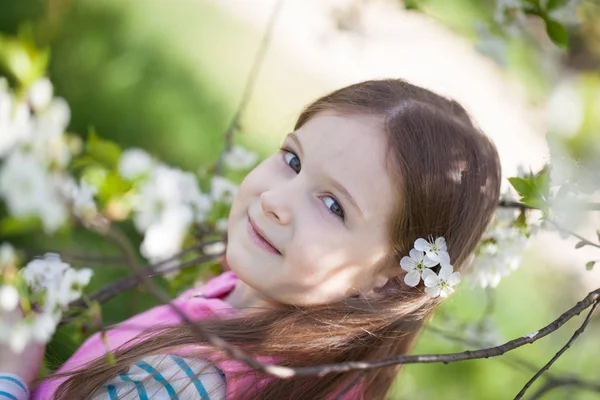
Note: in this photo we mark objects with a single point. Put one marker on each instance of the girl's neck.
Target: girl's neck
(246, 299)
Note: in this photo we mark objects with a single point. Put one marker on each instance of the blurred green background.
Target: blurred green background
(167, 76)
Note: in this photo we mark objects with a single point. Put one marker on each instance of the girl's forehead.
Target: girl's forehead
(351, 150)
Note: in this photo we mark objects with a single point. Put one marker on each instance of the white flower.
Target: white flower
(221, 225)
(134, 163)
(15, 123)
(443, 283)
(500, 251)
(69, 287)
(28, 191)
(165, 237)
(238, 158)
(44, 326)
(9, 298)
(40, 94)
(214, 249)
(39, 273)
(222, 189)
(435, 250)
(59, 112)
(8, 256)
(415, 265)
(81, 197)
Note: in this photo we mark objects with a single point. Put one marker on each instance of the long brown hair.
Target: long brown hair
(448, 179)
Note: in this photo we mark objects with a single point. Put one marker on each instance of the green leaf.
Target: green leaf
(412, 4)
(10, 226)
(103, 151)
(557, 33)
(598, 234)
(589, 265)
(556, 4)
(113, 185)
(522, 186)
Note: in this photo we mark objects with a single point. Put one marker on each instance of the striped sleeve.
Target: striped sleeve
(12, 387)
(166, 377)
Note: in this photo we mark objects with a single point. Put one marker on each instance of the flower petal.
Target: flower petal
(422, 244)
(427, 272)
(407, 263)
(453, 279)
(431, 280)
(412, 278)
(444, 258)
(432, 291)
(429, 262)
(440, 243)
(416, 255)
(445, 272)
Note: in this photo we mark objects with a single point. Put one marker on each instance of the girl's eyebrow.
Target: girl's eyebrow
(338, 186)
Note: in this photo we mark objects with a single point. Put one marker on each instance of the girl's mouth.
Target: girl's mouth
(260, 239)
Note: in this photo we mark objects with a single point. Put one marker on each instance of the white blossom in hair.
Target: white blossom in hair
(416, 265)
(422, 258)
(434, 249)
(441, 284)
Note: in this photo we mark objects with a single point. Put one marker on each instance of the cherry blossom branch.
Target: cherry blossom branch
(561, 351)
(249, 87)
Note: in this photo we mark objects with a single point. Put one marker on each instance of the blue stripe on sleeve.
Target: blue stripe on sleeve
(15, 381)
(141, 389)
(159, 378)
(7, 395)
(193, 377)
(112, 392)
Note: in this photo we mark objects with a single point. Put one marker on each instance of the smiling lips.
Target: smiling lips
(260, 239)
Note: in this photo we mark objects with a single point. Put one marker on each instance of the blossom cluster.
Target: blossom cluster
(50, 285)
(166, 202)
(500, 251)
(419, 266)
(35, 152)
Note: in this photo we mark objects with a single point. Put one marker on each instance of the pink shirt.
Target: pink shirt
(197, 304)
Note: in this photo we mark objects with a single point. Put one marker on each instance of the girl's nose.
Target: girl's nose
(274, 206)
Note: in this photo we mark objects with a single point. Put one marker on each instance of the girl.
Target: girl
(315, 237)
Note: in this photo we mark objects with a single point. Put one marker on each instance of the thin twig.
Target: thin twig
(584, 206)
(514, 360)
(561, 351)
(574, 234)
(554, 384)
(249, 87)
(111, 290)
(495, 351)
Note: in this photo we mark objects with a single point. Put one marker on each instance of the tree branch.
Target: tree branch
(249, 87)
(561, 351)
(552, 380)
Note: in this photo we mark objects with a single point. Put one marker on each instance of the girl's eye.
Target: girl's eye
(292, 160)
(333, 206)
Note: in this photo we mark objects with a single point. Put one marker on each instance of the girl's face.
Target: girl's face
(309, 225)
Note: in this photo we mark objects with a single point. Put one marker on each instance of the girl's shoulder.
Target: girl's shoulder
(166, 376)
